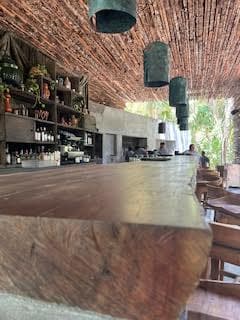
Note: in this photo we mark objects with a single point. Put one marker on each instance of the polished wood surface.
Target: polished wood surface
(230, 204)
(144, 193)
(124, 240)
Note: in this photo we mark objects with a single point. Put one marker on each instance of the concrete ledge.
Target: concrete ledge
(18, 308)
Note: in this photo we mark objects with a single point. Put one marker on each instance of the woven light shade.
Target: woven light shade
(178, 91)
(182, 111)
(156, 65)
(183, 125)
(112, 16)
(162, 127)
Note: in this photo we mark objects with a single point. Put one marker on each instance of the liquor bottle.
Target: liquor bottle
(37, 134)
(42, 134)
(14, 160)
(18, 158)
(67, 83)
(8, 156)
(45, 134)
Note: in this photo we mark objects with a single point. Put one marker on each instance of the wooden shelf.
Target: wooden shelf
(63, 89)
(44, 121)
(32, 142)
(46, 79)
(28, 97)
(69, 127)
(30, 118)
(67, 108)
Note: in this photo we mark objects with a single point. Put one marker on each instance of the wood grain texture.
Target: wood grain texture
(226, 235)
(227, 218)
(126, 271)
(109, 239)
(230, 204)
(223, 288)
(142, 193)
(210, 306)
(203, 37)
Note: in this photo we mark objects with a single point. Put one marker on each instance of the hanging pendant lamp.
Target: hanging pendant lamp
(112, 16)
(182, 111)
(183, 125)
(178, 91)
(156, 65)
(162, 127)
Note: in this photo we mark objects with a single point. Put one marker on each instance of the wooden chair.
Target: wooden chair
(226, 248)
(214, 192)
(216, 299)
(201, 186)
(212, 304)
(227, 208)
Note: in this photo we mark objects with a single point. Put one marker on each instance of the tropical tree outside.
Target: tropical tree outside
(210, 124)
(212, 129)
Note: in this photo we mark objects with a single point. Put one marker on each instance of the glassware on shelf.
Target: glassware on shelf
(46, 91)
(67, 83)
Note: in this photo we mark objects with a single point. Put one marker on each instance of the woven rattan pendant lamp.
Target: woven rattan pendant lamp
(182, 111)
(156, 65)
(112, 16)
(178, 91)
(183, 125)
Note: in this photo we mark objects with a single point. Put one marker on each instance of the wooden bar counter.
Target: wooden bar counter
(125, 240)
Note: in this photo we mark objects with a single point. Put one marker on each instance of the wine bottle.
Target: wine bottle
(8, 156)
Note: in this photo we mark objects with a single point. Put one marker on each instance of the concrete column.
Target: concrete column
(236, 123)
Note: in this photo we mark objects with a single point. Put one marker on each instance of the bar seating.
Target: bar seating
(214, 192)
(208, 305)
(217, 299)
(206, 177)
(226, 248)
(227, 208)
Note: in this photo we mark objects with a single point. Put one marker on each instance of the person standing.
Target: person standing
(204, 161)
(163, 150)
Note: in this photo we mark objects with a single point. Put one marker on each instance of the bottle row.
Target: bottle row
(44, 135)
(16, 157)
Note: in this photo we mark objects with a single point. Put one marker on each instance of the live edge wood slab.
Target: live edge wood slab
(125, 240)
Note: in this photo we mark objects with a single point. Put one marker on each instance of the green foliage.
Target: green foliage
(210, 124)
(153, 109)
(212, 129)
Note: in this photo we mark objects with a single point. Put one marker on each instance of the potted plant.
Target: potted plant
(33, 87)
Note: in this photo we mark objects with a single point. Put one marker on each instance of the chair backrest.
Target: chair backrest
(214, 192)
(226, 243)
(217, 182)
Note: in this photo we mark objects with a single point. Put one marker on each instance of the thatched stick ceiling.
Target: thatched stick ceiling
(203, 36)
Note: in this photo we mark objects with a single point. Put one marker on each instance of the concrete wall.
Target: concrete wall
(236, 122)
(120, 123)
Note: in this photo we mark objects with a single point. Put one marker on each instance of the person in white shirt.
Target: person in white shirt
(163, 150)
(191, 151)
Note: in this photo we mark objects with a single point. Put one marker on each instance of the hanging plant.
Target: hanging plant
(33, 87)
(38, 71)
(78, 103)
